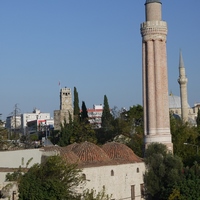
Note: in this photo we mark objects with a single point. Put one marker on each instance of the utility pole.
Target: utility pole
(14, 115)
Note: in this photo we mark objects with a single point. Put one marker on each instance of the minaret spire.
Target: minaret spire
(181, 63)
(155, 81)
(183, 88)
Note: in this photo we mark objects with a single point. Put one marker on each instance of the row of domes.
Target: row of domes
(88, 154)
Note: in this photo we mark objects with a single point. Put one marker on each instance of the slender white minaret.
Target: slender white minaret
(155, 80)
(183, 89)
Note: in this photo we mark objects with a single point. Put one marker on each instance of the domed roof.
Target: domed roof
(175, 101)
(71, 146)
(89, 152)
(70, 156)
(120, 152)
(67, 154)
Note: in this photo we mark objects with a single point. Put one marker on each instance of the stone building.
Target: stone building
(66, 108)
(113, 166)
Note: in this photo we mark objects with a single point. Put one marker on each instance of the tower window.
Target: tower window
(112, 173)
(138, 170)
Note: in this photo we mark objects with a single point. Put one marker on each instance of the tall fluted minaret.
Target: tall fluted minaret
(183, 89)
(155, 80)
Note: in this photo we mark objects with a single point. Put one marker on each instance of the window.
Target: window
(112, 173)
(138, 170)
(84, 177)
(132, 192)
(142, 190)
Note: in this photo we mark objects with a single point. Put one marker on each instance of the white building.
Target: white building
(114, 166)
(35, 115)
(95, 115)
(175, 108)
(37, 125)
(13, 123)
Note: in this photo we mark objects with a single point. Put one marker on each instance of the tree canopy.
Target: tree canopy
(162, 173)
(76, 104)
(106, 119)
(53, 179)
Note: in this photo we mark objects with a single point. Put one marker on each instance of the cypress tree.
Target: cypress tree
(107, 117)
(84, 113)
(76, 104)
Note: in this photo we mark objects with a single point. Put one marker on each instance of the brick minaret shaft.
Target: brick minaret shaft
(155, 80)
(183, 89)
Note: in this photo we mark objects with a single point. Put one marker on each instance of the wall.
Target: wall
(14, 159)
(119, 185)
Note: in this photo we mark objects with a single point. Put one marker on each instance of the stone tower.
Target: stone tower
(183, 89)
(65, 99)
(65, 108)
(155, 80)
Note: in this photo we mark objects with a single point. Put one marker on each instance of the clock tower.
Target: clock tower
(66, 108)
(65, 99)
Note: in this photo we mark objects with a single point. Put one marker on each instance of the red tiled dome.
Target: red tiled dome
(89, 152)
(67, 154)
(70, 156)
(120, 152)
(71, 146)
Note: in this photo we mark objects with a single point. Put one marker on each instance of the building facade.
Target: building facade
(45, 126)
(155, 80)
(35, 115)
(113, 166)
(95, 115)
(13, 123)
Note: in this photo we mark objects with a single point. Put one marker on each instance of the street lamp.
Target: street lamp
(194, 145)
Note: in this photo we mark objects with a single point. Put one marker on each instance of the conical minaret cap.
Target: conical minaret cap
(181, 63)
(153, 1)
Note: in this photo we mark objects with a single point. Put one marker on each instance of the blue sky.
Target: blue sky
(94, 45)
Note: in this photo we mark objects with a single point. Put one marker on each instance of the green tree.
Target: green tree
(163, 172)
(107, 118)
(76, 104)
(53, 179)
(82, 132)
(92, 195)
(129, 123)
(188, 187)
(84, 113)
(76, 131)
(135, 118)
(66, 132)
(183, 132)
(106, 132)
